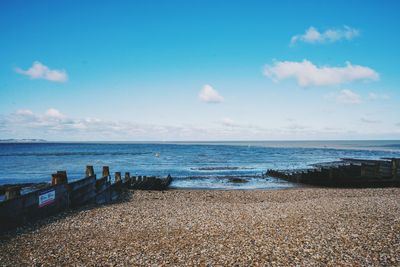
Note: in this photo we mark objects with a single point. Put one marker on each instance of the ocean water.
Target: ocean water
(192, 165)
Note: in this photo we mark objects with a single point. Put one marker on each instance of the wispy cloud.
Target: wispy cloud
(313, 36)
(370, 121)
(244, 127)
(308, 74)
(24, 112)
(248, 129)
(40, 71)
(209, 95)
(375, 96)
(347, 96)
(228, 122)
(297, 127)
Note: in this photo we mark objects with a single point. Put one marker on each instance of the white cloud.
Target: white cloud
(210, 95)
(348, 97)
(312, 35)
(54, 113)
(308, 74)
(40, 71)
(375, 96)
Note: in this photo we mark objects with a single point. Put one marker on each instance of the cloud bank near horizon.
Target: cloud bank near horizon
(54, 125)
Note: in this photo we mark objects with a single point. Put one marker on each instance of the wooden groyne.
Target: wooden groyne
(60, 195)
(346, 173)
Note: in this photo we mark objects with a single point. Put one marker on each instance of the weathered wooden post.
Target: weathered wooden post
(117, 177)
(53, 178)
(127, 177)
(150, 183)
(63, 173)
(139, 182)
(133, 181)
(89, 171)
(12, 192)
(59, 178)
(106, 173)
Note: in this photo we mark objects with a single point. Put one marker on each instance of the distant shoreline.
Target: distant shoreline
(10, 141)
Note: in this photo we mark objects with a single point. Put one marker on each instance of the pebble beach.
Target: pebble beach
(303, 226)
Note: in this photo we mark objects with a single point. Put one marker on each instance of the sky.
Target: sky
(199, 70)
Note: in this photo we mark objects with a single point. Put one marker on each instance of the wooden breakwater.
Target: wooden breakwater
(346, 173)
(61, 195)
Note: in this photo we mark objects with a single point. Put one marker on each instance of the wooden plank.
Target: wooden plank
(82, 191)
(26, 207)
(81, 183)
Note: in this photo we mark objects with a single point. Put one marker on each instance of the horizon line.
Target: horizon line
(40, 140)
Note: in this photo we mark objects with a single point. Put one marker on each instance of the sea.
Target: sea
(194, 165)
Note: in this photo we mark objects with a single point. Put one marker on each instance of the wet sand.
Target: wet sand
(305, 226)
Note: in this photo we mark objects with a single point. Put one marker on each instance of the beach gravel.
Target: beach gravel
(305, 227)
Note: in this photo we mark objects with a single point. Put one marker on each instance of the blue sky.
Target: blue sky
(199, 70)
